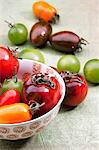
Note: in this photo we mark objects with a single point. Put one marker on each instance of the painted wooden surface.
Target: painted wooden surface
(77, 129)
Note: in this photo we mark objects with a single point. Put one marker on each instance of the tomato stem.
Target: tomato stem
(13, 51)
(57, 16)
(83, 41)
(9, 24)
(42, 79)
(14, 75)
(68, 76)
(35, 106)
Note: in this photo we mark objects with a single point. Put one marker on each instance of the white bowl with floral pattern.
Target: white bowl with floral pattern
(27, 129)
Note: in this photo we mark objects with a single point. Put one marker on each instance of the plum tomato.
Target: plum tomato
(68, 63)
(91, 71)
(76, 88)
(43, 89)
(40, 33)
(67, 42)
(44, 11)
(32, 54)
(9, 64)
(18, 33)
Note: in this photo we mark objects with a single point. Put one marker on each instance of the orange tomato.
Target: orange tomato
(15, 113)
(45, 11)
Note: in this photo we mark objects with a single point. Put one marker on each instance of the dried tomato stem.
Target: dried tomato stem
(83, 41)
(57, 16)
(41, 79)
(14, 75)
(9, 24)
(35, 106)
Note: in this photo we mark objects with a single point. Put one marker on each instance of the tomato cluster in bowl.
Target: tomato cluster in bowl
(27, 98)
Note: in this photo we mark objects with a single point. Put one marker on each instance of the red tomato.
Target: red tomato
(42, 89)
(8, 64)
(9, 97)
(76, 88)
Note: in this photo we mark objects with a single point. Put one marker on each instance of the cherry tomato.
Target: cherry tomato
(42, 88)
(9, 97)
(18, 33)
(13, 83)
(8, 64)
(32, 54)
(67, 42)
(77, 88)
(40, 33)
(68, 63)
(44, 11)
(91, 71)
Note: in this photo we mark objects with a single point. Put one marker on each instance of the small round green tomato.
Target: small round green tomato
(18, 34)
(12, 84)
(69, 63)
(32, 54)
(91, 71)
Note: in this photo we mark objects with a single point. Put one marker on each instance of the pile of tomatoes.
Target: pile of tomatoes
(34, 95)
(26, 98)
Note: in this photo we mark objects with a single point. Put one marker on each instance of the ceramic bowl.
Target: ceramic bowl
(27, 129)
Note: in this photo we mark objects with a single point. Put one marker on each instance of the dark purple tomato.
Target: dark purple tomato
(43, 89)
(40, 33)
(66, 41)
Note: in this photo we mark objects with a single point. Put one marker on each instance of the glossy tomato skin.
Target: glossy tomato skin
(44, 11)
(40, 33)
(91, 71)
(9, 97)
(65, 41)
(42, 93)
(8, 64)
(68, 63)
(18, 34)
(16, 84)
(32, 54)
(76, 88)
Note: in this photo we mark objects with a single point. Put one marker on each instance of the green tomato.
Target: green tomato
(32, 54)
(18, 34)
(12, 84)
(91, 70)
(69, 63)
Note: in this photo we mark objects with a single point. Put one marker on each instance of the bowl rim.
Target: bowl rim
(46, 114)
